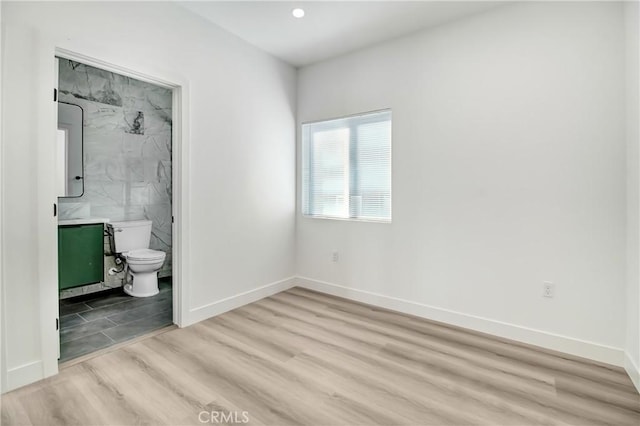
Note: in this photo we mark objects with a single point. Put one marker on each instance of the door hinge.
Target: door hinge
(55, 95)
(55, 209)
(171, 219)
(57, 324)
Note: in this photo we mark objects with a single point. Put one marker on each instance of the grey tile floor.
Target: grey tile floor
(97, 321)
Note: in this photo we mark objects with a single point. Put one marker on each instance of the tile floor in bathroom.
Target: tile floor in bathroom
(99, 320)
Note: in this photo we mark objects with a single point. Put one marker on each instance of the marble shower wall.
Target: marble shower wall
(127, 148)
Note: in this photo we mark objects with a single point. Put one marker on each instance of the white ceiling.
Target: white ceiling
(329, 28)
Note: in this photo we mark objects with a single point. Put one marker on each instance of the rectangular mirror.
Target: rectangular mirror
(70, 182)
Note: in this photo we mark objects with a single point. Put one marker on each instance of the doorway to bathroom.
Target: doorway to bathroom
(115, 207)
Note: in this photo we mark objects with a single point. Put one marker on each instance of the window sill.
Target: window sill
(348, 219)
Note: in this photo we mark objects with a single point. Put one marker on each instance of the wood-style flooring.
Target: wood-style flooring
(92, 322)
(305, 358)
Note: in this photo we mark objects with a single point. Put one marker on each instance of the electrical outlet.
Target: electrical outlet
(335, 256)
(548, 289)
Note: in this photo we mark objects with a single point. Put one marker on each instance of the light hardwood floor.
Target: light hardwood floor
(305, 358)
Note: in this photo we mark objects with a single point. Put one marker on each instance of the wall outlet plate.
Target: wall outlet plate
(548, 289)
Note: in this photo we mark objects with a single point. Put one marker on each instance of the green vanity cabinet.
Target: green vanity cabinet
(80, 255)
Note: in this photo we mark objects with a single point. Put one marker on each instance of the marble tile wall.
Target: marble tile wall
(127, 149)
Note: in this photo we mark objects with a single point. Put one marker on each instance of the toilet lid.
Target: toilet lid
(145, 254)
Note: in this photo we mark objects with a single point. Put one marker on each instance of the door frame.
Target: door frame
(48, 229)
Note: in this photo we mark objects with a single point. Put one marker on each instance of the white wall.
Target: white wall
(632, 346)
(3, 369)
(241, 165)
(508, 170)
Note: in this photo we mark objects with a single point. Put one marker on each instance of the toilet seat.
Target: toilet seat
(144, 255)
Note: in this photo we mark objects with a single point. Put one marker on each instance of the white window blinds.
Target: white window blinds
(346, 167)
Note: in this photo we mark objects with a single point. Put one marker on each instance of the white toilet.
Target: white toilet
(131, 241)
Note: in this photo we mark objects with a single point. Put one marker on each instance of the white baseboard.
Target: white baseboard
(23, 375)
(221, 306)
(569, 345)
(32, 372)
(632, 370)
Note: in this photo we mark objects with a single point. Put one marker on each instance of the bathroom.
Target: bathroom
(114, 208)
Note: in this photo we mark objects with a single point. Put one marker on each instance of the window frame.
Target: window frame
(351, 166)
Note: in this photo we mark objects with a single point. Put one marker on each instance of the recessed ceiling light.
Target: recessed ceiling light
(297, 12)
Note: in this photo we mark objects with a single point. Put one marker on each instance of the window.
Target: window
(346, 167)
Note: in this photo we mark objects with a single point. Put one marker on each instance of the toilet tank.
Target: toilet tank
(130, 235)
